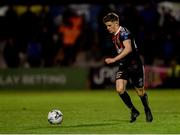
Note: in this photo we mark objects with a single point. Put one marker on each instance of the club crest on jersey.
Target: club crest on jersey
(125, 35)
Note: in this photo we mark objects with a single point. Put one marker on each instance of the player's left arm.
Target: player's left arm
(127, 49)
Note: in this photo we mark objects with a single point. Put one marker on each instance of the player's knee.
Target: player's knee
(120, 90)
(140, 91)
(121, 86)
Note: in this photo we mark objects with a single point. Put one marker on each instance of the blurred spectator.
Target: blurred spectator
(28, 28)
(168, 48)
(127, 16)
(150, 17)
(3, 64)
(11, 19)
(95, 57)
(34, 53)
(46, 40)
(105, 44)
(69, 32)
(11, 54)
(81, 59)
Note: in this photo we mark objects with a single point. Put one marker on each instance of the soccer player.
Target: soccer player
(130, 65)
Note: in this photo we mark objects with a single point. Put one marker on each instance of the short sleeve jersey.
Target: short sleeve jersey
(133, 57)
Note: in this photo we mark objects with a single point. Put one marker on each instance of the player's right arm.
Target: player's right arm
(127, 49)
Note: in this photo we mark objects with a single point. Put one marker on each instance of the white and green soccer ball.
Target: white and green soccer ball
(55, 117)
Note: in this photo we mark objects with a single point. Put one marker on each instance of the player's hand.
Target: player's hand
(109, 60)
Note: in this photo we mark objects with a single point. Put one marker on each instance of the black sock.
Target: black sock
(127, 100)
(144, 100)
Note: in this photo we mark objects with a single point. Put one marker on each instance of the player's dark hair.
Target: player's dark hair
(111, 17)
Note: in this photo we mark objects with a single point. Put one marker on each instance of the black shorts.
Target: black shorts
(134, 74)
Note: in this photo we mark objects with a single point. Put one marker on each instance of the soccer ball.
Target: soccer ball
(55, 117)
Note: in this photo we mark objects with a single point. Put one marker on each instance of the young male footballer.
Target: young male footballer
(130, 65)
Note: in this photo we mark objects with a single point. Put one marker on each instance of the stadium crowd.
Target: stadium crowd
(73, 35)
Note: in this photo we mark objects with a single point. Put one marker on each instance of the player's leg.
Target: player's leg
(144, 98)
(137, 78)
(121, 89)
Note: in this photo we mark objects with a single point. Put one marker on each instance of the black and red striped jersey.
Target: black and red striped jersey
(121, 35)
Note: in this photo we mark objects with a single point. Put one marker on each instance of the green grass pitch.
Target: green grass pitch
(86, 112)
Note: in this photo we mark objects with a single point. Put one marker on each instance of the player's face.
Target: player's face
(112, 27)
